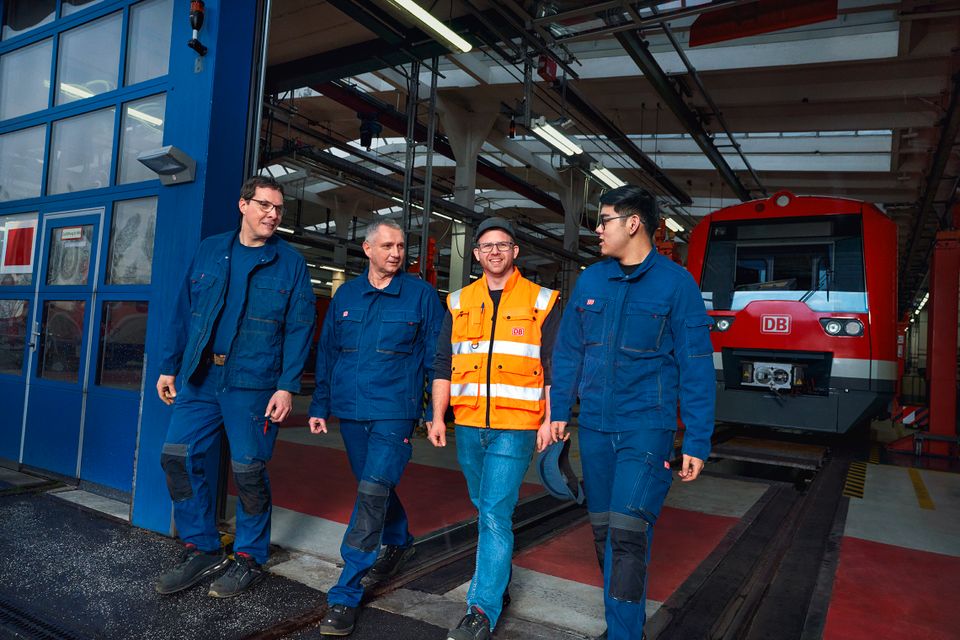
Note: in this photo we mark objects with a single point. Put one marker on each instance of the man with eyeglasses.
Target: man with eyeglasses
(374, 362)
(237, 339)
(493, 367)
(633, 343)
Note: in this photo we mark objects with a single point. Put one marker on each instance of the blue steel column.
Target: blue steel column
(207, 110)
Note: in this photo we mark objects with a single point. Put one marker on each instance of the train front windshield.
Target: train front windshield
(817, 261)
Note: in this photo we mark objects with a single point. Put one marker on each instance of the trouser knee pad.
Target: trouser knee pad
(628, 544)
(367, 526)
(173, 459)
(252, 486)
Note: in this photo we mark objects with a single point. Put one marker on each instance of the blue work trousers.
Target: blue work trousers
(378, 451)
(201, 407)
(494, 462)
(626, 478)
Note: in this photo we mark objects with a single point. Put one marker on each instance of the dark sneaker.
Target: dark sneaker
(244, 572)
(474, 626)
(194, 567)
(390, 561)
(339, 620)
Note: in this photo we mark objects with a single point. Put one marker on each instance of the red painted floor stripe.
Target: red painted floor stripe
(317, 481)
(884, 591)
(681, 542)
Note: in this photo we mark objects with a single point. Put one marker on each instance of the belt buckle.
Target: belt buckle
(218, 359)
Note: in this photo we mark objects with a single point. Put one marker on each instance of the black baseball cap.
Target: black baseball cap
(495, 222)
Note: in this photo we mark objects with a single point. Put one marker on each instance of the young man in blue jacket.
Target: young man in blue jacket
(238, 339)
(374, 362)
(634, 342)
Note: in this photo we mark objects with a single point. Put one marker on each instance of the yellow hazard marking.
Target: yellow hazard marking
(923, 496)
(875, 453)
(856, 480)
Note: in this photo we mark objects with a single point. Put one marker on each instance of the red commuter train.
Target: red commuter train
(803, 295)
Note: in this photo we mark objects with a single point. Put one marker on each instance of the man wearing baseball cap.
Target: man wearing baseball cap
(493, 367)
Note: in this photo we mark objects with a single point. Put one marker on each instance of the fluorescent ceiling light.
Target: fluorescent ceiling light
(329, 268)
(605, 176)
(673, 225)
(923, 301)
(284, 230)
(555, 138)
(440, 30)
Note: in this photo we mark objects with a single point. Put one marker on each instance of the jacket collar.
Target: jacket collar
(393, 289)
(508, 285)
(225, 242)
(614, 272)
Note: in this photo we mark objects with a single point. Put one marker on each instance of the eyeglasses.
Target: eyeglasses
(603, 220)
(487, 247)
(266, 206)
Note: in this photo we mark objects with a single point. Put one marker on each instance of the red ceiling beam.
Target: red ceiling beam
(759, 17)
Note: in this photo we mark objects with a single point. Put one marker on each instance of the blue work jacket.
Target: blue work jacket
(631, 347)
(376, 350)
(276, 326)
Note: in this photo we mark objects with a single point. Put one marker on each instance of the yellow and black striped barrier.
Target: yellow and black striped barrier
(856, 480)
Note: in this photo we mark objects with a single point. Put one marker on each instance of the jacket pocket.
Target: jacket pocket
(465, 380)
(643, 326)
(651, 488)
(591, 315)
(349, 328)
(268, 298)
(516, 381)
(398, 331)
(519, 323)
(698, 336)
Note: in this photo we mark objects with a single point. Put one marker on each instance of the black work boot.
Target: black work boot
(390, 561)
(473, 626)
(339, 621)
(195, 565)
(244, 572)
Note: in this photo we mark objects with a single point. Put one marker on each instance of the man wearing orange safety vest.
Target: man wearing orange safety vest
(493, 367)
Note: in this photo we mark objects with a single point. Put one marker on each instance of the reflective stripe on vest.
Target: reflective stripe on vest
(499, 346)
(497, 390)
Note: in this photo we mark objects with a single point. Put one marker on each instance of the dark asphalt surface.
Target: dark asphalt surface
(93, 577)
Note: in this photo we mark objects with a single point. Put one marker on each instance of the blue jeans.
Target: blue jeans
(201, 407)
(626, 482)
(378, 451)
(494, 462)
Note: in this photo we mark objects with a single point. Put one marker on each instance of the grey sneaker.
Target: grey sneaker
(195, 565)
(473, 626)
(339, 621)
(244, 572)
(390, 561)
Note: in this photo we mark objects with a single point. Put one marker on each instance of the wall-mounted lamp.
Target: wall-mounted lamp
(172, 165)
(196, 22)
(552, 136)
(605, 176)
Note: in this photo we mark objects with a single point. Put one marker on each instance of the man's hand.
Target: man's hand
(559, 430)
(318, 425)
(437, 433)
(545, 436)
(280, 406)
(166, 389)
(690, 469)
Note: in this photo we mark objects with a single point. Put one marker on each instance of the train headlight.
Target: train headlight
(833, 327)
(853, 328)
(722, 323)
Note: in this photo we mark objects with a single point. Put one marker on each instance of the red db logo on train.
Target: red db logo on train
(775, 324)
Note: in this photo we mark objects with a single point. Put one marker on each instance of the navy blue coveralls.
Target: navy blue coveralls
(632, 347)
(267, 350)
(374, 361)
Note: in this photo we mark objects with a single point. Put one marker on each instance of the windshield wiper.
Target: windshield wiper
(824, 281)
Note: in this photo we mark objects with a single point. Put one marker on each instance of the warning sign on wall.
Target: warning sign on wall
(17, 239)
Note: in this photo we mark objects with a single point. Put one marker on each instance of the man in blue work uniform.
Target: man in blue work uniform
(237, 338)
(633, 342)
(374, 362)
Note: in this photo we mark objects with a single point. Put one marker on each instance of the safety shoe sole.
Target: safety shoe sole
(199, 577)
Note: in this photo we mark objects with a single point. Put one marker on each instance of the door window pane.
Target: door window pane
(69, 262)
(148, 42)
(81, 151)
(18, 235)
(21, 163)
(123, 333)
(62, 336)
(25, 80)
(89, 59)
(13, 335)
(20, 16)
(70, 7)
(142, 129)
(131, 242)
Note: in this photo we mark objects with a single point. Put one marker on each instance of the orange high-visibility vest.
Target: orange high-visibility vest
(515, 391)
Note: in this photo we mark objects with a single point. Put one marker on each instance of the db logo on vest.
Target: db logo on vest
(518, 331)
(775, 324)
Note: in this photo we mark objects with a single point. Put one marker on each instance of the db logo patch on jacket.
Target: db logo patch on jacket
(518, 331)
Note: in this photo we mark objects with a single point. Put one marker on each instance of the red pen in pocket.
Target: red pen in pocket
(266, 423)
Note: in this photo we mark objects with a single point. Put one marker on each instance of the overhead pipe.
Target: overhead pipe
(639, 51)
